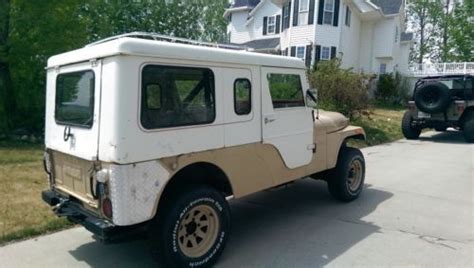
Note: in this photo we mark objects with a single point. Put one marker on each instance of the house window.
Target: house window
(325, 53)
(328, 12)
(300, 52)
(383, 68)
(271, 25)
(348, 16)
(303, 15)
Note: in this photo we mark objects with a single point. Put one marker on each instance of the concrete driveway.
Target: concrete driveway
(417, 209)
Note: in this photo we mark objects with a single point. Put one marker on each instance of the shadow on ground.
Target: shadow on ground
(449, 136)
(299, 223)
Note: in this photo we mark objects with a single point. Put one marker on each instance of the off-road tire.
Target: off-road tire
(468, 128)
(350, 166)
(432, 97)
(175, 233)
(410, 132)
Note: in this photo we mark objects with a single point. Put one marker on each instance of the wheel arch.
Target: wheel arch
(199, 173)
(339, 139)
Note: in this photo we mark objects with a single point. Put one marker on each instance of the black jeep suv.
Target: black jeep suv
(441, 102)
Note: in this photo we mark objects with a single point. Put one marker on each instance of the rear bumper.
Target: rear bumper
(74, 212)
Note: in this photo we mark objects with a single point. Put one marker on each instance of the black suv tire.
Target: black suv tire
(346, 180)
(433, 97)
(410, 132)
(468, 128)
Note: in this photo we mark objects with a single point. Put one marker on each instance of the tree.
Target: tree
(424, 16)
(460, 41)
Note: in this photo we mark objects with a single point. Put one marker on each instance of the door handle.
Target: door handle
(269, 120)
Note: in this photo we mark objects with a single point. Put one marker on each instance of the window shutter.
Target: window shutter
(277, 24)
(336, 12)
(320, 12)
(289, 15)
(265, 23)
(295, 13)
(283, 18)
(309, 50)
(293, 51)
(317, 54)
(333, 52)
(311, 12)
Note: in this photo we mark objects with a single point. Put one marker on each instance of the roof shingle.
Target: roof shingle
(389, 7)
(245, 3)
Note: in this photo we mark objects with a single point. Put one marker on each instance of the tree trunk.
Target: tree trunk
(422, 37)
(445, 49)
(9, 103)
(6, 90)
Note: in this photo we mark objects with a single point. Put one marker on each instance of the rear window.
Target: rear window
(75, 98)
(286, 90)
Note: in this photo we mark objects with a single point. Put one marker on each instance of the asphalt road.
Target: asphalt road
(417, 209)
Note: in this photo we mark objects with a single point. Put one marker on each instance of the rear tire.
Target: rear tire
(192, 229)
(410, 132)
(347, 179)
(468, 128)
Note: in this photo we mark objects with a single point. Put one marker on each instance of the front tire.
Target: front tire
(468, 128)
(192, 230)
(347, 179)
(410, 132)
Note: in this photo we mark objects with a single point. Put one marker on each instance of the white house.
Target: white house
(369, 35)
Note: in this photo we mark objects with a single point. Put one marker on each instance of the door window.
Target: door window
(285, 90)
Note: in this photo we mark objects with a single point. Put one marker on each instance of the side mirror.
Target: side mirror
(311, 94)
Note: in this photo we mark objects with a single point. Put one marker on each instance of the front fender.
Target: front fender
(336, 139)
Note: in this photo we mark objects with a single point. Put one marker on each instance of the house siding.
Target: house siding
(367, 43)
(239, 33)
(350, 41)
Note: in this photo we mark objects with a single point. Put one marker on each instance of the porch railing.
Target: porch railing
(442, 68)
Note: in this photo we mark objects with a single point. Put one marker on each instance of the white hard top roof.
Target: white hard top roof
(162, 49)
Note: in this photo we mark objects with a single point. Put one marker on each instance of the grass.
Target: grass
(382, 124)
(23, 214)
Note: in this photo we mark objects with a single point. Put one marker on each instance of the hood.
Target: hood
(331, 121)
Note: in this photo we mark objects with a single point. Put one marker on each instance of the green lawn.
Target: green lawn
(23, 214)
(381, 124)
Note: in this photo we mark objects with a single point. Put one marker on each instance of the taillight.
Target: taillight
(47, 163)
(107, 207)
(460, 106)
(412, 106)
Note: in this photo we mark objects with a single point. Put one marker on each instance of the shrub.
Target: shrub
(392, 88)
(339, 89)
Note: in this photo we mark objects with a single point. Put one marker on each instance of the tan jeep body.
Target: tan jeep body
(113, 155)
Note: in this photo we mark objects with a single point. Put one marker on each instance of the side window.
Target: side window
(285, 90)
(242, 96)
(177, 96)
(153, 96)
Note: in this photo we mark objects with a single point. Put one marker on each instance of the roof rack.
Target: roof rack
(160, 37)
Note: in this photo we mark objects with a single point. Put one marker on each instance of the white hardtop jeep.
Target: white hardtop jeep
(146, 132)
